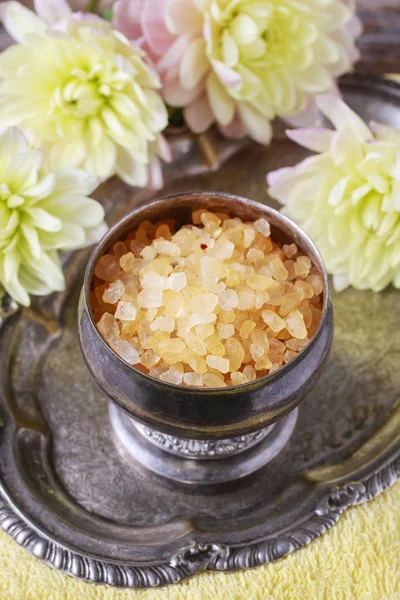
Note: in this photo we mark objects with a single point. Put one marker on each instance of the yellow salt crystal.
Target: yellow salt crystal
(274, 321)
(125, 311)
(204, 331)
(290, 301)
(316, 281)
(296, 345)
(196, 215)
(256, 351)
(259, 282)
(163, 231)
(148, 253)
(307, 288)
(202, 303)
(237, 378)
(127, 262)
(278, 269)
(233, 280)
(227, 316)
(246, 329)
(258, 336)
(208, 217)
(184, 238)
(196, 343)
(228, 299)
(153, 280)
(213, 381)
(262, 298)
(235, 353)
(217, 362)
(225, 331)
(174, 304)
(173, 375)
(247, 299)
(240, 319)
(214, 345)
(108, 326)
(262, 226)
(149, 359)
(193, 379)
(150, 298)
(249, 372)
(162, 266)
(295, 325)
(248, 236)
(166, 247)
(163, 324)
(289, 250)
(262, 363)
(198, 364)
(202, 319)
(254, 254)
(289, 355)
(302, 266)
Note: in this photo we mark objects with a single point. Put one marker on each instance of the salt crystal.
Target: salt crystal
(219, 363)
(225, 331)
(163, 231)
(316, 282)
(238, 378)
(149, 298)
(259, 282)
(148, 253)
(246, 300)
(163, 324)
(119, 249)
(196, 343)
(107, 268)
(278, 269)
(228, 299)
(249, 372)
(202, 319)
(213, 381)
(248, 236)
(302, 266)
(126, 351)
(198, 364)
(262, 226)
(155, 281)
(149, 359)
(203, 303)
(295, 324)
(289, 355)
(204, 331)
(193, 379)
(125, 311)
(177, 281)
(254, 254)
(262, 298)
(166, 247)
(274, 321)
(214, 345)
(297, 345)
(289, 250)
(108, 326)
(223, 248)
(256, 351)
(172, 375)
(113, 291)
(246, 329)
(263, 363)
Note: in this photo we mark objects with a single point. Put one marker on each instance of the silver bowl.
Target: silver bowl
(227, 432)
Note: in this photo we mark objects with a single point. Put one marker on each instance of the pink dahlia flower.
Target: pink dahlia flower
(240, 63)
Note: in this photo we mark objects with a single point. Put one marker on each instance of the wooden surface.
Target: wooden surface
(379, 44)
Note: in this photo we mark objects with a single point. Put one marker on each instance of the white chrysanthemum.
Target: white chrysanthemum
(347, 198)
(40, 213)
(82, 93)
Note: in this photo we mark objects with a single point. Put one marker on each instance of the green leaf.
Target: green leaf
(107, 14)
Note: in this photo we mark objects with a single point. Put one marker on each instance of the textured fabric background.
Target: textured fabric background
(359, 559)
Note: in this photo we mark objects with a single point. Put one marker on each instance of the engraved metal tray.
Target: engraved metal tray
(69, 497)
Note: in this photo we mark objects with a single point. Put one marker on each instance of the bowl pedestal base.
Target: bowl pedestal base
(200, 462)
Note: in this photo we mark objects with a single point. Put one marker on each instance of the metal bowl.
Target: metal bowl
(204, 413)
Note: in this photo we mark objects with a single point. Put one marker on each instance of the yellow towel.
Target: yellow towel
(359, 559)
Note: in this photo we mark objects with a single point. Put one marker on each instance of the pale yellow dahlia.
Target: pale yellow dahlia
(82, 93)
(240, 63)
(40, 213)
(348, 197)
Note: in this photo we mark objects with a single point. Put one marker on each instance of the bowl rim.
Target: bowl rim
(105, 242)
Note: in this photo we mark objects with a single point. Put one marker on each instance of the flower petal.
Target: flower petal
(130, 170)
(173, 55)
(20, 21)
(342, 115)
(12, 142)
(227, 76)
(152, 20)
(198, 115)
(318, 140)
(222, 105)
(40, 218)
(126, 17)
(258, 127)
(182, 16)
(173, 92)
(194, 64)
(101, 160)
(52, 11)
(72, 182)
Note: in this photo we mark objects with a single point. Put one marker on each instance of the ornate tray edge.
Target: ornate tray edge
(199, 557)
